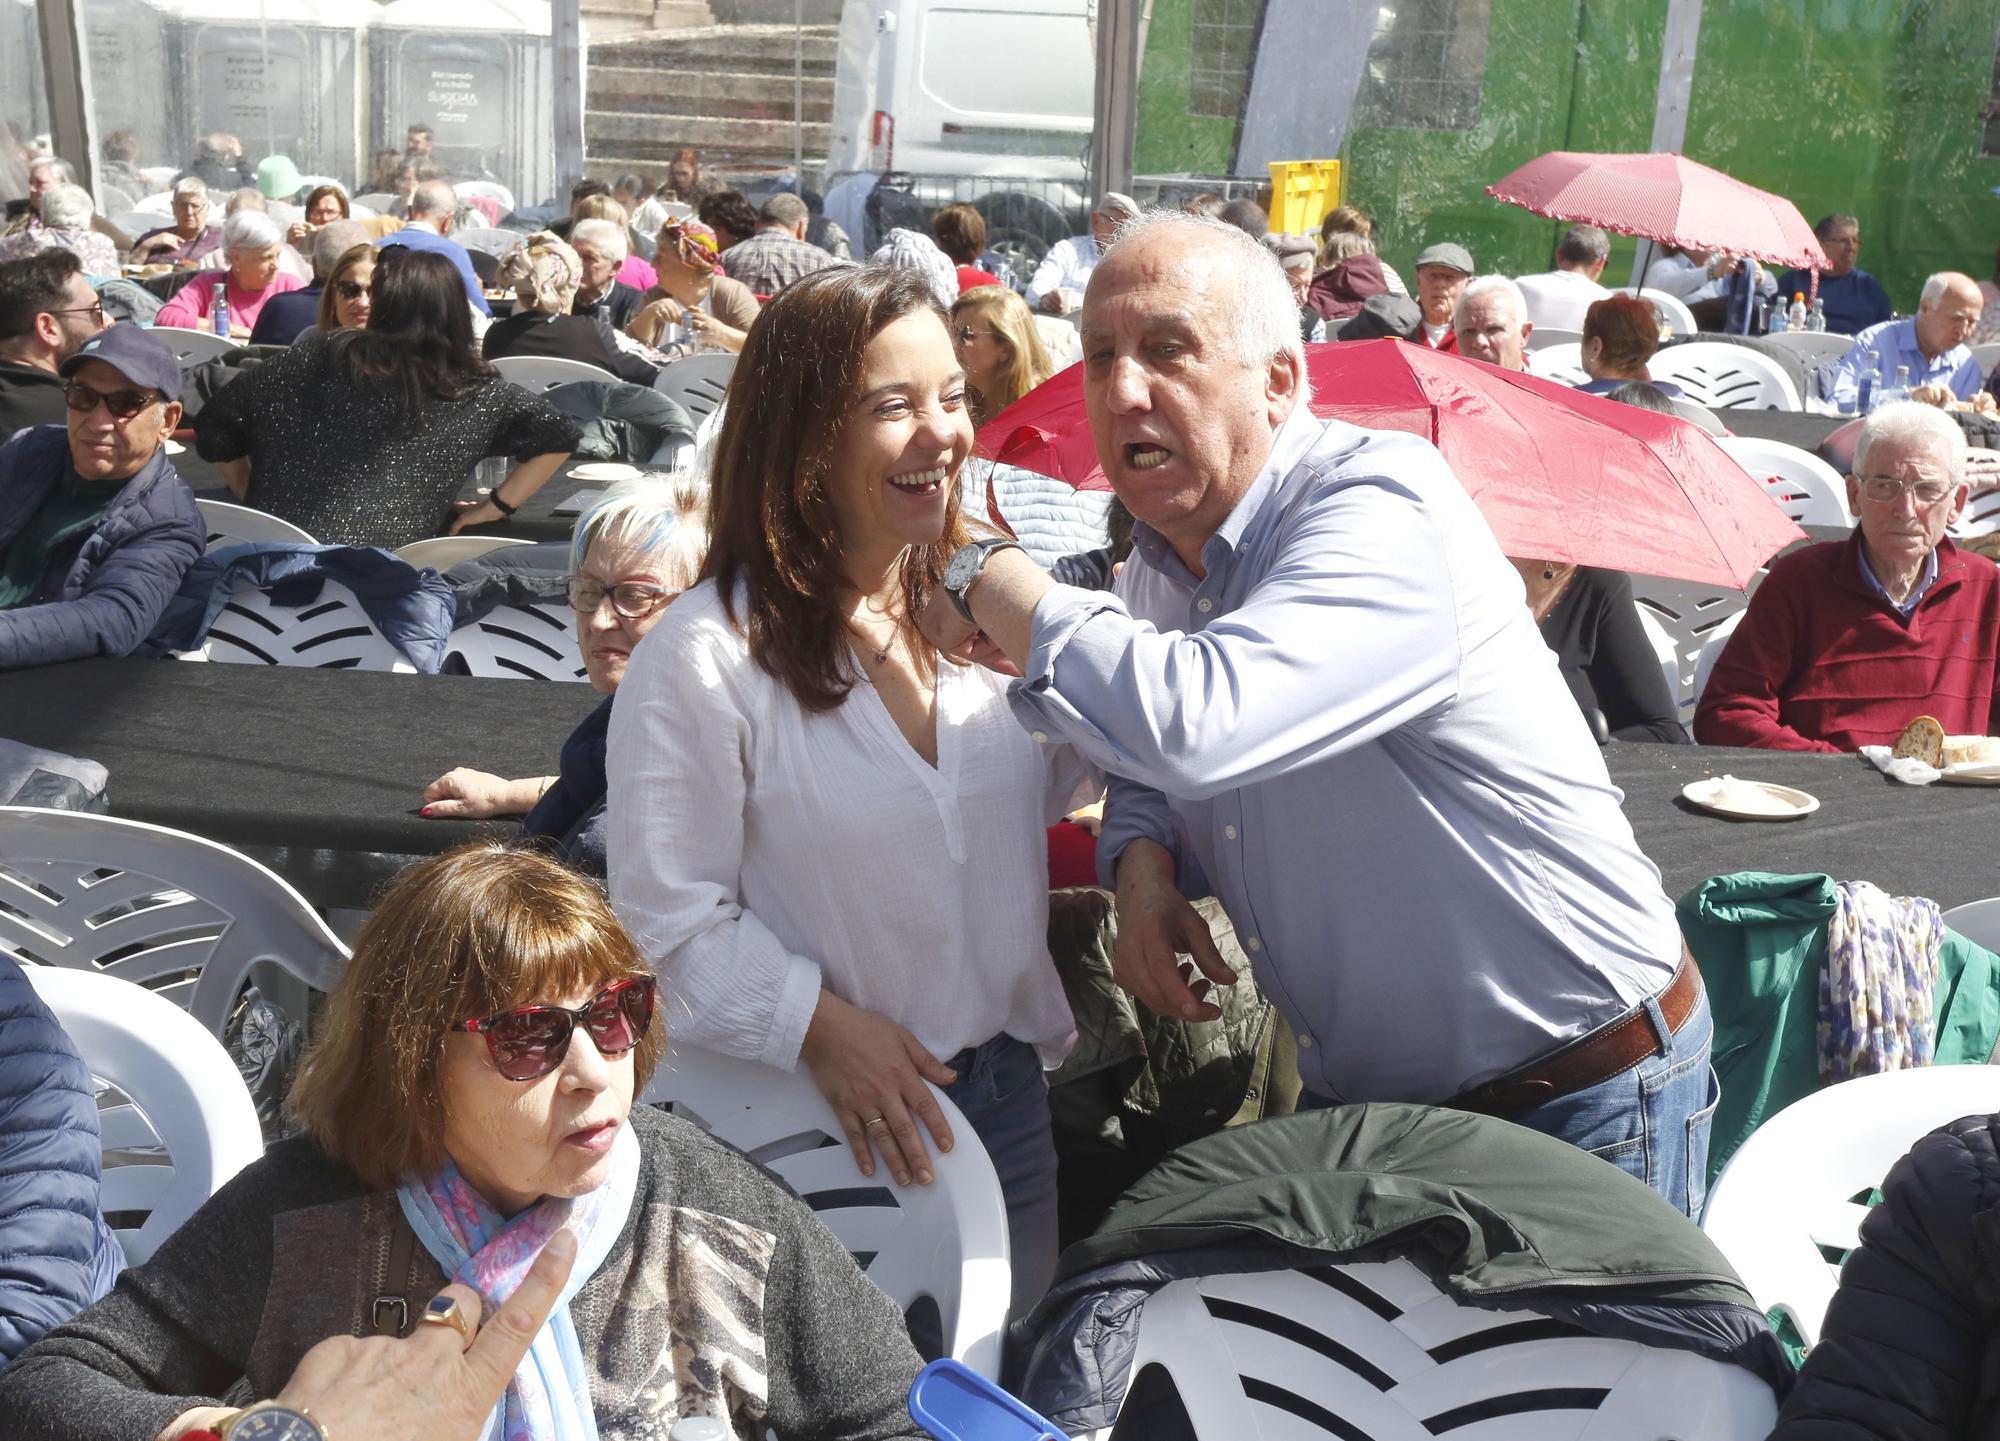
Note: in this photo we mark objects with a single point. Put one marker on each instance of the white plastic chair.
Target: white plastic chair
(179, 915)
(1799, 1186)
(946, 1241)
(1814, 347)
(180, 1103)
(1373, 1349)
(1673, 310)
(192, 347)
(1726, 377)
(240, 524)
(1982, 515)
(545, 372)
(1669, 658)
(535, 642)
(1802, 485)
(1987, 355)
(378, 201)
(1543, 337)
(489, 241)
(333, 633)
(1712, 647)
(1686, 614)
(1977, 921)
(442, 552)
(1561, 363)
(491, 190)
(699, 383)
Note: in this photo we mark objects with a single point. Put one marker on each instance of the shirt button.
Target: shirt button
(1305, 1042)
(1254, 944)
(1040, 738)
(1230, 832)
(1204, 605)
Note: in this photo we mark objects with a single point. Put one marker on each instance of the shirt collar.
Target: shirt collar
(1917, 592)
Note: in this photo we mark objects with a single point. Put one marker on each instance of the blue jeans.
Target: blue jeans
(1003, 1092)
(1652, 1121)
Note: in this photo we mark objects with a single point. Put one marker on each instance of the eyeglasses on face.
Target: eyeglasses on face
(633, 599)
(1887, 490)
(95, 310)
(528, 1043)
(123, 404)
(964, 333)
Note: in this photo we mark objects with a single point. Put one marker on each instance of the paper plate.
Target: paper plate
(1749, 800)
(174, 447)
(1971, 773)
(606, 470)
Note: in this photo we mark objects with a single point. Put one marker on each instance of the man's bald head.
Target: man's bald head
(1947, 312)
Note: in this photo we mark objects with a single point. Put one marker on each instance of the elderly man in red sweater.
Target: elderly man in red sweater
(1847, 641)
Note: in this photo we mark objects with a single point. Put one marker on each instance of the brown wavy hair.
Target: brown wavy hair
(480, 929)
(775, 537)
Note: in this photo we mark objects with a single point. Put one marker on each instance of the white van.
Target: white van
(950, 92)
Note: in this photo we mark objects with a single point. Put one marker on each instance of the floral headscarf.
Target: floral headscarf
(543, 272)
(693, 242)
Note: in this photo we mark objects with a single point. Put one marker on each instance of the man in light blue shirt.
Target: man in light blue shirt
(429, 228)
(1327, 703)
(1930, 344)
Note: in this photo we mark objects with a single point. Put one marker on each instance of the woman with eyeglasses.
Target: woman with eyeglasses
(471, 1093)
(363, 437)
(634, 551)
(325, 205)
(346, 301)
(998, 345)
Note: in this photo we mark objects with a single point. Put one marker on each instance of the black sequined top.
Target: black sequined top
(331, 454)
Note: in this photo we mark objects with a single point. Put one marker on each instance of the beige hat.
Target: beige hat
(1113, 202)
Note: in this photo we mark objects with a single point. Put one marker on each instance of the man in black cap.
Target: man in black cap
(96, 528)
(1442, 273)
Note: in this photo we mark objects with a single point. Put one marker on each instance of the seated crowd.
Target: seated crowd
(842, 706)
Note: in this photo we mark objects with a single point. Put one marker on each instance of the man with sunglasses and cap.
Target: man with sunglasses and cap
(96, 527)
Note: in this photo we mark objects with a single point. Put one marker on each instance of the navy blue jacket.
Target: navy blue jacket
(420, 239)
(101, 594)
(283, 317)
(1854, 301)
(56, 1254)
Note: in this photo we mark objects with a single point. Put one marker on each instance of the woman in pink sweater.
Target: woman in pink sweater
(251, 239)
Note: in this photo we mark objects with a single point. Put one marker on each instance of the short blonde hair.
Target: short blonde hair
(477, 930)
(1028, 363)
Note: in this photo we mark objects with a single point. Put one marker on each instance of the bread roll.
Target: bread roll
(1922, 738)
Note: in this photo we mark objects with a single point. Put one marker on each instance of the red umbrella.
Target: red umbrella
(1668, 198)
(1558, 474)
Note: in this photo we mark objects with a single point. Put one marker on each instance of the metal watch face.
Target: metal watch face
(963, 566)
(275, 1423)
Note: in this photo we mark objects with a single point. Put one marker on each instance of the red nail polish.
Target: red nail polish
(425, 811)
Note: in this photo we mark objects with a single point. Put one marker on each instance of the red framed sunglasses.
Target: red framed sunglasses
(528, 1043)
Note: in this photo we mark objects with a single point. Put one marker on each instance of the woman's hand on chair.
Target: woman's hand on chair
(872, 1073)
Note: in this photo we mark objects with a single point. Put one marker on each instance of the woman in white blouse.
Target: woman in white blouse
(830, 838)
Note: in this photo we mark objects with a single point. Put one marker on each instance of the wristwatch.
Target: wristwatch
(271, 1421)
(965, 566)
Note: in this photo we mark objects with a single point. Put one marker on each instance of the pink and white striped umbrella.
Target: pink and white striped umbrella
(1668, 198)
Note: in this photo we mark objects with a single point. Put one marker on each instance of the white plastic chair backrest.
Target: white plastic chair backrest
(136, 223)
(698, 382)
(1686, 613)
(1669, 658)
(182, 916)
(946, 1241)
(1712, 647)
(486, 190)
(489, 242)
(509, 642)
(1816, 347)
(545, 372)
(1987, 355)
(1542, 337)
(160, 202)
(1562, 363)
(442, 552)
(240, 524)
(192, 347)
(1799, 1186)
(1977, 921)
(1982, 515)
(1373, 1349)
(376, 200)
(332, 633)
(176, 1121)
(1673, 310)
(1802, 485)
(1726, 377)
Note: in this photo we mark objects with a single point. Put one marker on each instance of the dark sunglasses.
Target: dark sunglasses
(633, 599)
(123, 404)
(350, 290)
(966, 332)
(528, 1043)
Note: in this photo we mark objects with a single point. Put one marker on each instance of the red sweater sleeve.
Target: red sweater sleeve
(1741, 705)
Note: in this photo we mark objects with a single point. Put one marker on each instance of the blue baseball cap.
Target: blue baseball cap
(135, 353)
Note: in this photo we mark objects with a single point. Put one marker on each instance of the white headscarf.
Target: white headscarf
(918, 251)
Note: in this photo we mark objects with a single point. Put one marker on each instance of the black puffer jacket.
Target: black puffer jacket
(1910, 1350)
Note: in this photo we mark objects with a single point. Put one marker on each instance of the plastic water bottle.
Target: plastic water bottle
(1867, 370)
(1892, 391)
(218, 310)
(1780, 321)
(1796, 320)
(1816, 317)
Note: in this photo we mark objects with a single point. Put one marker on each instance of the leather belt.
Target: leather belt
(1612, 1049)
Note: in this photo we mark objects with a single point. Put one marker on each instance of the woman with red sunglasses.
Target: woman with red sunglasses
(469, 1096)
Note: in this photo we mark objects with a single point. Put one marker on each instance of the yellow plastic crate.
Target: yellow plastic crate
(1302, 191)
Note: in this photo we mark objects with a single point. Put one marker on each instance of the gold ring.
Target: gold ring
(874, 1121)
(445, 1311)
